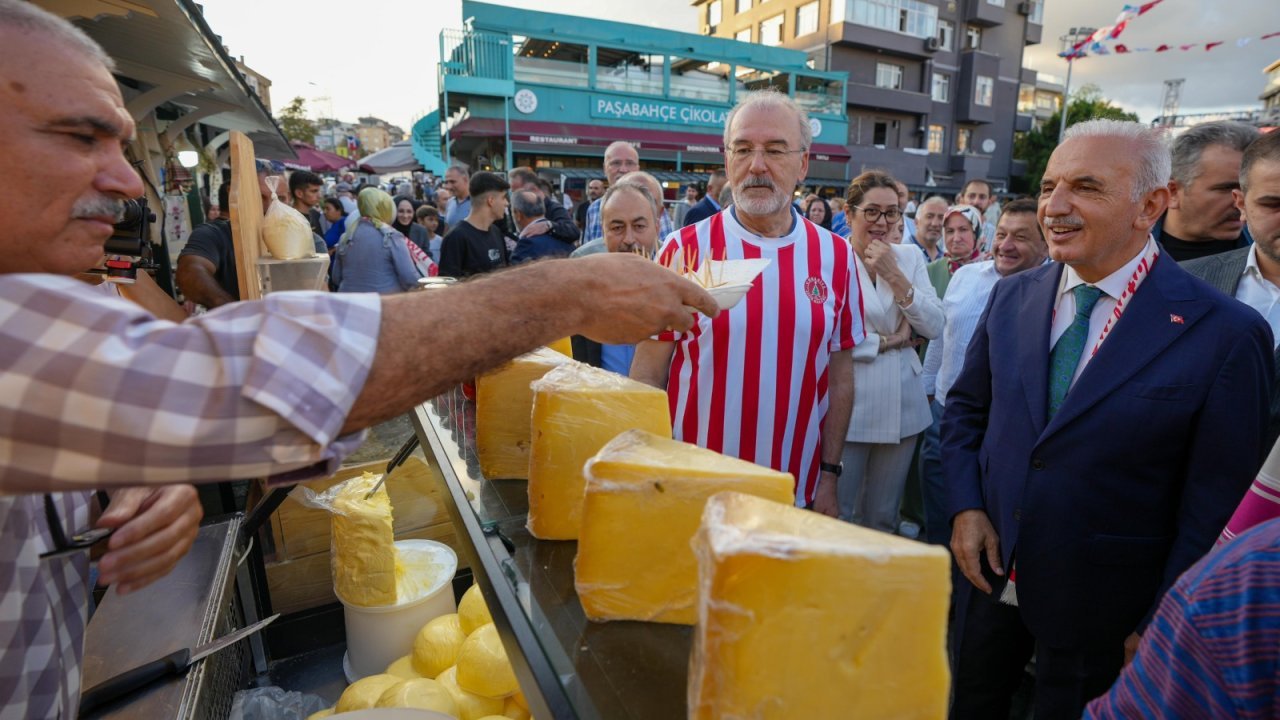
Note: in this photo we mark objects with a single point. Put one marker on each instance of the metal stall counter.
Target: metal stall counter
(568, 666)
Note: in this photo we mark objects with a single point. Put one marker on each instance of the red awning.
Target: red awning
(315, 160)
(599, 136)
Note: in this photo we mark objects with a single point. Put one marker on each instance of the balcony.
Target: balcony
(971, 165)
(984, 13)
(975, 64)
(906, 164)
(905, 101)
(1018, 168)
(1033, 33)
(1022, 123)
(872, 38)
(479, 63)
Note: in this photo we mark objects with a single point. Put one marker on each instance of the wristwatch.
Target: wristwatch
(911, 295)
(833, 468)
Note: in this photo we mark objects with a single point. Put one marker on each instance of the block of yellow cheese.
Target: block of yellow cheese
(503, 406)
(804, 616)
(643, 503)
(577, 409)
(364, 555)
(564, 346)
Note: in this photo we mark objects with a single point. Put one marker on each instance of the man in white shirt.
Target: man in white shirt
(1252, 274)
(1019, 246)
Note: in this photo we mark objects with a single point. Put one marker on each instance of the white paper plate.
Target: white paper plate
(729, 295)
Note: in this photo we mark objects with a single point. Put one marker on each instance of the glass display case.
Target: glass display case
(568, 666)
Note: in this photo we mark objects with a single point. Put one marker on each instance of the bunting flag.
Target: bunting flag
(1093, 43)
(1122, 49)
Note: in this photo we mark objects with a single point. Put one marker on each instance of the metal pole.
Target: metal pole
(1066, 96)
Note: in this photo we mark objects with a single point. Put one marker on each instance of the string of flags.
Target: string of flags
(1093, 45)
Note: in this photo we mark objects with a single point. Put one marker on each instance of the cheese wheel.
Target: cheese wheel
(364, 693)
(403, 669)
(483, 667)
(470, 706)
(472, 611)
(419, 694)
(437, 644)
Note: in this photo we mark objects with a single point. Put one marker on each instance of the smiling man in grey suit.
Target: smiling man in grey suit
(1252, 274)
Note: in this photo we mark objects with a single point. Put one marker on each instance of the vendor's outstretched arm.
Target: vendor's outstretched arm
(428, 341)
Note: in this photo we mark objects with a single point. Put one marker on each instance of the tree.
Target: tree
(1036, 146)
(293, 121)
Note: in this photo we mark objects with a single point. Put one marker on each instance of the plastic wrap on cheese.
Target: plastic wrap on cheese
(503, 406)
(643, 504)
(366, 566)
(803, 616)
(577, 409)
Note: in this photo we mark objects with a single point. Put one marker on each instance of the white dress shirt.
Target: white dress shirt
(962, 306)
(1260, 293)
(1112, 287)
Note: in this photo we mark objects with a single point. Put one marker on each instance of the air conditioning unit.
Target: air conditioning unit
(932, 44)
(1026, 8)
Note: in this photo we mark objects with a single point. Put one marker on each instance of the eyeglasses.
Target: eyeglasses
(772, 154)
(872, 214)
(63, 545)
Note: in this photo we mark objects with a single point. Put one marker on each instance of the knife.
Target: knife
(175, 663)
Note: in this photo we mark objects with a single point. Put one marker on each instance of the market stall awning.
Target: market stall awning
(397, 158)
(166, 53)
(599, 136)
(315, 160)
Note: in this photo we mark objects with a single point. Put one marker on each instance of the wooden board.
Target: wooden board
(246, 215)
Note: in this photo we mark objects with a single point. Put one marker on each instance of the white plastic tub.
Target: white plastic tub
(377, 636)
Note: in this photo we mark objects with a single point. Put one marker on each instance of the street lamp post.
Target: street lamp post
(1069, 41)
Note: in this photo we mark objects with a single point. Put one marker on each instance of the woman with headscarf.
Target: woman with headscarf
(961, 233)
(372, 256)
(404, 223)
(818, 211)
(890, 409)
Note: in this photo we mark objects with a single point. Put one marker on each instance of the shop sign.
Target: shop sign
(817, 156)
(713, 149)
(656, 111)
(553, 140)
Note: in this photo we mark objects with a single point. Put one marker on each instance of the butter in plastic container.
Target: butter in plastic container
(804, 616)
(643, 503)
(577, 409)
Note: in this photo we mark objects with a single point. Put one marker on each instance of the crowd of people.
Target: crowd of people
(1084, 417)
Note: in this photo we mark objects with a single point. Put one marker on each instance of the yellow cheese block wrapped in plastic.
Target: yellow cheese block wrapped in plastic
(564, 346)
(503, 406)
(364, 554)
(643, 503)
(577, 409)
(803, 616)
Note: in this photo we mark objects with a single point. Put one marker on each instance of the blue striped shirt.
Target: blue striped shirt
(1213, 649)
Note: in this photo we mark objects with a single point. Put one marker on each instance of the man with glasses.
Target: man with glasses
(620, 158)
(771, 380)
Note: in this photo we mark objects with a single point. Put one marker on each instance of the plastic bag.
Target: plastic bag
(285, 231)
(274, 703)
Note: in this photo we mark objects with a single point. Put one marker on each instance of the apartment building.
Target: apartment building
(933, 84)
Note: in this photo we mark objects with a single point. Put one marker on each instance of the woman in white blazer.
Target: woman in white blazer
(889, 406)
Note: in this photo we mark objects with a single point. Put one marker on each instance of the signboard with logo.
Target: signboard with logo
(658, 111)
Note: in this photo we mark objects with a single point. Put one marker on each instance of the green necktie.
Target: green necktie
(1066, 353)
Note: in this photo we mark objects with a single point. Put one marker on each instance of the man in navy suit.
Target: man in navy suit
(1110, 415)
(709, 205)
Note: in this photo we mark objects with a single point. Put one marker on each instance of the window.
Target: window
(1026, 99)
(819, 95)
(771, 31)
(937, 139)
(946, 33)
(880, 134)
(696, 79)
(983, 89)
(744, 35)
(997, 3)
(550, 62)
(635, 73)
(909, 17)
(941, 87)
(1037, 12)
(713, 13)
(1047, 101)
(743, 6)
(889, 76)
(972, 38)
(807, 18)
(964, 138)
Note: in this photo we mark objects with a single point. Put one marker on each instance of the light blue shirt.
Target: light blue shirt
(595, 229)
(962, 307)
(456, 211)
(617, 358)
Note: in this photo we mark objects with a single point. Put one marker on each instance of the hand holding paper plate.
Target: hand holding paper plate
(725, 280)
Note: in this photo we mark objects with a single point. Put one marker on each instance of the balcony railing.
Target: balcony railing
(475, 54)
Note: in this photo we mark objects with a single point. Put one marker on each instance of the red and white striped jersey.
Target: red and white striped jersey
(752, 383)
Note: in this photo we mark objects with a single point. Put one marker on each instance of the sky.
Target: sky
(378, 57)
